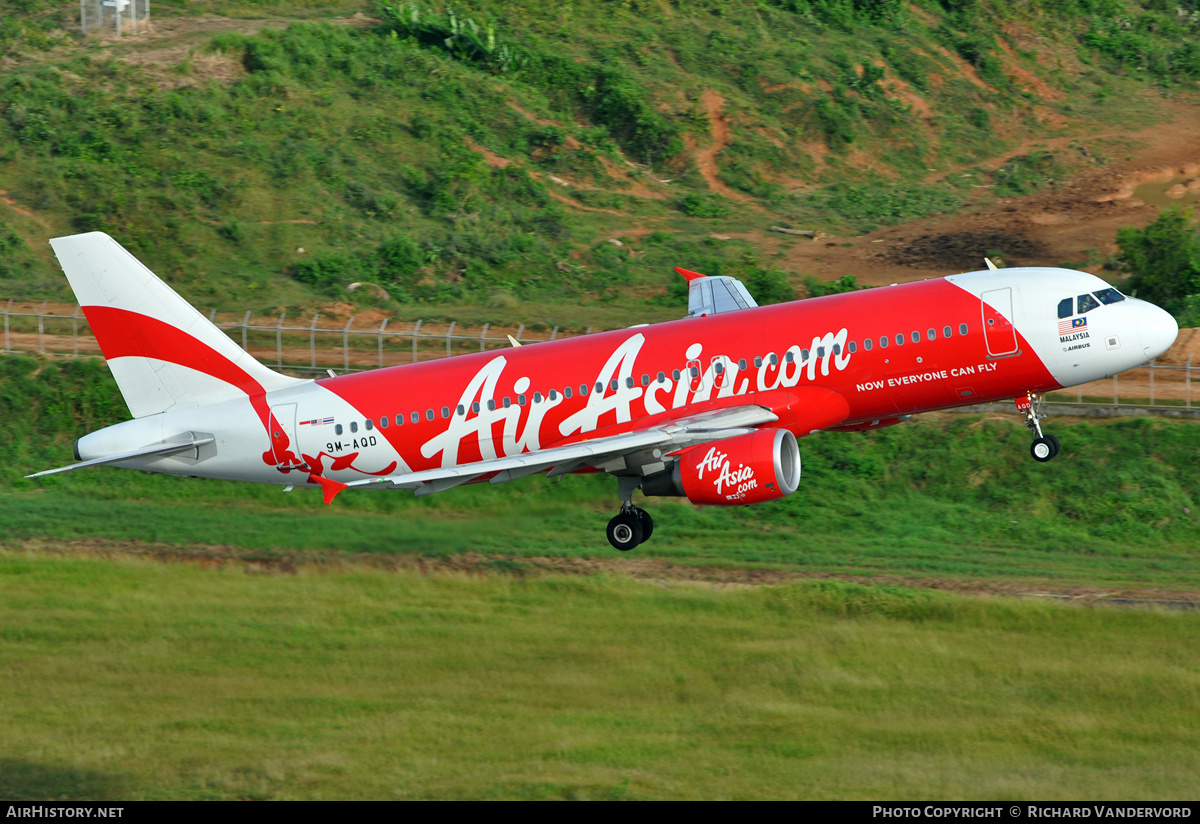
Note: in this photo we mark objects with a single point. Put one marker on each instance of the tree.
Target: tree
(1163, 259)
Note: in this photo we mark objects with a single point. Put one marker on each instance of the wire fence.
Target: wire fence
(315, 344)
(300, 345)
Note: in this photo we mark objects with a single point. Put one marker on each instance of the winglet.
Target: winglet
(989, 263)
(688, 274)
(514, 341)
(329, 487)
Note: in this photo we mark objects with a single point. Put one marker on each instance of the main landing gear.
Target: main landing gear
(1044, 447)
(631, 526)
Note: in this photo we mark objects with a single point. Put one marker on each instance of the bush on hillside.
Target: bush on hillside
(1164, 261)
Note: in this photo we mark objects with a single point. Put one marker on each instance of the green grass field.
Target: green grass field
(134, 679)
(176, 638)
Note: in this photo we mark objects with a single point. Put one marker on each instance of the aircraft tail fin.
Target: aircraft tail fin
(162, 352)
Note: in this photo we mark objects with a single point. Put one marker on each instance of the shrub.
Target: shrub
(1164, 260)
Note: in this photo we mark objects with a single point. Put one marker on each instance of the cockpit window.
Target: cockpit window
(1064, 308)
(1109, 295)
(1086, 304)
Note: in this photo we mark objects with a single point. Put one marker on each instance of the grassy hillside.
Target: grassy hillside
(950, 498)
(480, 165)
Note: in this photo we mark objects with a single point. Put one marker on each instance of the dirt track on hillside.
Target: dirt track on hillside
(1067, 224)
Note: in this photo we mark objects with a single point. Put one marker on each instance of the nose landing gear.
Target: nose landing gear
(631, 526)
(1044, 447)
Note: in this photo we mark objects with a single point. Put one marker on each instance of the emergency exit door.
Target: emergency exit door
(998, 329)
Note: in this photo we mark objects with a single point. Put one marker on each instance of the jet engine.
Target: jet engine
(747, 469)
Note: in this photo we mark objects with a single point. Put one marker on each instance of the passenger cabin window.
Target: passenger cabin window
(790, 356)
(613, 385)
(537, 397)
(837, 349)
(1086, 303)
(566, 393)
(337, 430)
(353, 426)
(883, 342)
(507, 402)
(1108, 296)
(600, 388)
(662, 378)
(370, 424)
(742, 363)
(553, 395)
(757, 361)
(851, 347)
(520, 400)
(415, 417)
(1064, 308)
(383, 423)
(867, 342)
(645, 380)
(675, 374)
(931, 334)
(492, 404)
(475, 407)
(916, 337)
(900, 339)
(583, 390)
(428, 414)
(445, 411)
(774, 359)
(962, 329)
(399, 420)
(947, 332)
(461, 410)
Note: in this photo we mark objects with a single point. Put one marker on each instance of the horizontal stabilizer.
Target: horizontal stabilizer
(166, 448)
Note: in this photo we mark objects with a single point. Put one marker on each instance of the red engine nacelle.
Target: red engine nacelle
(748, 469)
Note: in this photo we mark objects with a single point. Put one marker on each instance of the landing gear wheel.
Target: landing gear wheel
(647, 524)
(1057, 445)
(625, 531)
(1042, 450)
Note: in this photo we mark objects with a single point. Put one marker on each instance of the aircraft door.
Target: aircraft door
(284, 448)
(998, 329)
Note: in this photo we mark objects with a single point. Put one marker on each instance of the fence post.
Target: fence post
(41, 326)
(245, 320)
(1187, 381)
(450, 332)
(279, 340)
(1152, 368)
(382, 326)
(7, 310)
(75, 332)
(415, 333)
(554, 334)
(1115, 401)
(483, 335)
(1079, 394)
(588, 331)
(312, 340)
(520, 331)
(212, 316)
(346, 344)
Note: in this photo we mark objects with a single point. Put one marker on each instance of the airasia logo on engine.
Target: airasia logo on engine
(735, 471)
(742, 478)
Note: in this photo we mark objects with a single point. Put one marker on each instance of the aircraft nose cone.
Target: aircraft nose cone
(1156, 331)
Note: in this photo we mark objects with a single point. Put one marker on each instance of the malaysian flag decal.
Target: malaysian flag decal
(1072, 325)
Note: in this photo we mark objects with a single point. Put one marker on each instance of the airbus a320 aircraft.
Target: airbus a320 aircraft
(708, 407)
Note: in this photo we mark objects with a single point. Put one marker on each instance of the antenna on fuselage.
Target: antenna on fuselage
(991, 265)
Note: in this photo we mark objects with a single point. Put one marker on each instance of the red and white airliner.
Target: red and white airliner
(708, 407)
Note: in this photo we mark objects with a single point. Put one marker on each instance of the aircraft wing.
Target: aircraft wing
(559, 460)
